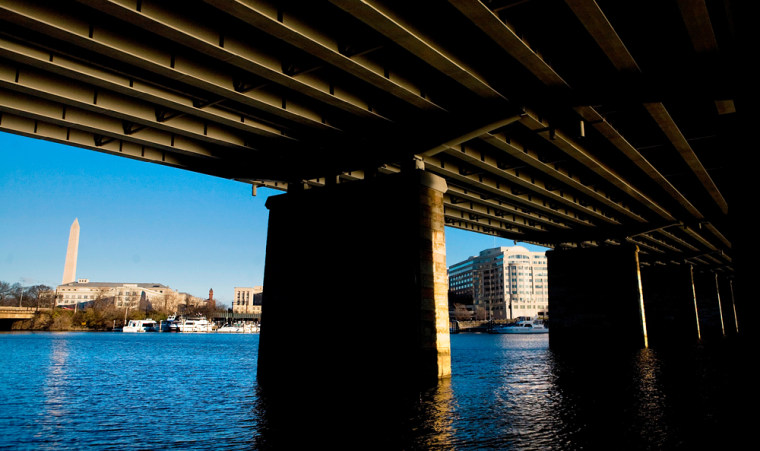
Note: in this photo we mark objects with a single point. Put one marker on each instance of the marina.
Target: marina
(193, 324)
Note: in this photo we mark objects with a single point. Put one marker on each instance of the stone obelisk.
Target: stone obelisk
(70, 267)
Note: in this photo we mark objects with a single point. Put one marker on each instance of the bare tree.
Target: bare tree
(104, 298)
(36, 295)
(15, 295)
(5, 292)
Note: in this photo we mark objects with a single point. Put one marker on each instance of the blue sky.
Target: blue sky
(140, 222)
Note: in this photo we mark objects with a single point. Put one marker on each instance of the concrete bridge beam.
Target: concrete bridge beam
(355, 286)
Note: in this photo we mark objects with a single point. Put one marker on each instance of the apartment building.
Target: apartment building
(502, 283)
(247, 299)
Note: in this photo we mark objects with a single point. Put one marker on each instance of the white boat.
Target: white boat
(239, 328)
(195, 325)
(141, 325)
(528, 326)
(171, 324)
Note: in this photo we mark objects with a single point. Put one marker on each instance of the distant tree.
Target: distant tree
(5, 292)
(481, 313)
(35, 295)
(170, 303)
(210, 309)
(132, 301)
(104, 299)
(101, 313)
(46, 298)
(12, 295)
(144, 304)
(461, 312)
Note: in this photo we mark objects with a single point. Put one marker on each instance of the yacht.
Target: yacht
(195, 325)
(141, 325)
(528, 326)
(239, 328)
(171, 324)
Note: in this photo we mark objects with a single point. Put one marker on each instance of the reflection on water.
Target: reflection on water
(54, 390)
(106, 390)
(650, 400)
(503, 391)
(434, 415)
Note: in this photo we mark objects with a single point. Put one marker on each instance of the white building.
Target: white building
(247, 299)
(503, 283)
(124, 295)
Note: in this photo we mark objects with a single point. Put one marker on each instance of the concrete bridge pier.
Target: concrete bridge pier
(355, 292)
(595, 298)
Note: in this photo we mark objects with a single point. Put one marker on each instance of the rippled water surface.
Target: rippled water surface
(199, 391)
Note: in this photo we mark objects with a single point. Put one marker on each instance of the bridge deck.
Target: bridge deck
(559, 123)
(18, 312)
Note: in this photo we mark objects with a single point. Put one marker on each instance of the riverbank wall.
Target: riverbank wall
(56, 321)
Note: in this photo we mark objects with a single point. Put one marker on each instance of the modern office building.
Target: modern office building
(502, 283)
(247, 299)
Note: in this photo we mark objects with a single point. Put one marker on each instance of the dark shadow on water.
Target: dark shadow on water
(354, 416)
(687, 398)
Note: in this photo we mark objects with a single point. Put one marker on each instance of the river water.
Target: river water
(198, 391)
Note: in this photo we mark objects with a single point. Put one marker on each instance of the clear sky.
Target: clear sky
(140, 222)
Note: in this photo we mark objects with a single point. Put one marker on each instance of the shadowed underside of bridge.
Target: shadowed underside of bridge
(563, 123)
(608, 129)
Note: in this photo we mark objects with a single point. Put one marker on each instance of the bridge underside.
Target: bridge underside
(560, 123)
(11, 315)
(572, 124)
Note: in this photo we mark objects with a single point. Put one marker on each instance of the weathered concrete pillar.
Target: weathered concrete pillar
(355, 291)
(595, 298)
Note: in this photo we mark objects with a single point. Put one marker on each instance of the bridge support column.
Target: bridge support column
(355, 291)
(671, 303)
(715, 303)
(595, 298)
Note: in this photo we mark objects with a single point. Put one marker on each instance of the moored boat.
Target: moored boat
(171, 324)
(141, 325)
(528, 326)
(195, 325)
(239, 328)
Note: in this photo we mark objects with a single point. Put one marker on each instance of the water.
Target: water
(198, 391)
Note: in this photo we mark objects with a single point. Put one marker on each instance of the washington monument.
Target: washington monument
(70, 267)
